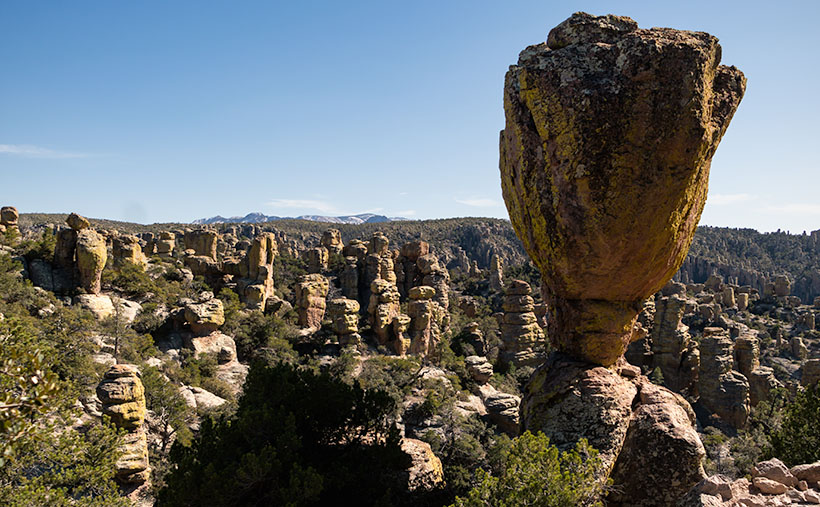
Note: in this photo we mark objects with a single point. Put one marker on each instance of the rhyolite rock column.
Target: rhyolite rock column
(610, 131)
(123, 400)
(604, 159)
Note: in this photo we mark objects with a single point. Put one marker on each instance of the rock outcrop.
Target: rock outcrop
(496, 274)
(604, 158)
(673, 349)
(205, 315)
(521, 337)
(723, 391)
(311, 292)
(332, 241)
(344, 319)
(8, 219)
(423, 313)
(123, 400)
(606, 222)
(127, 250)
(92, 254)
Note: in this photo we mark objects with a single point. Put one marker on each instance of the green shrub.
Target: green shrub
(797, 440)
(536, 473)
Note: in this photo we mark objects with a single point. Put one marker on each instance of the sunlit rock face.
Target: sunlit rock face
(605, 155)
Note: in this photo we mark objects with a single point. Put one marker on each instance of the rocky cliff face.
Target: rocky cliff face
(610, 130)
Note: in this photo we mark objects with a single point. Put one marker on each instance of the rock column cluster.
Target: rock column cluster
(604, 158)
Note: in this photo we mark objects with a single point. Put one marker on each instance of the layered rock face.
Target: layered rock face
(123, 400)
(604, 159)
(610, 130)
(202, 242)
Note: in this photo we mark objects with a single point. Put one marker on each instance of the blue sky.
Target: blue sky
(171, 111)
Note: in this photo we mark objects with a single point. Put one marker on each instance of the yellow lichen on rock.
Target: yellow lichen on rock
(604, 166)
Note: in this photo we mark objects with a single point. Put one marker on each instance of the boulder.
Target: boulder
(91, 255)
(206, 316)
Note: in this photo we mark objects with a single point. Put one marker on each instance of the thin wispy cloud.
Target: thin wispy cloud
(478, 202)
(303, 204)
(796, 209)
(406, 213)
(31, 151)
(724, 199)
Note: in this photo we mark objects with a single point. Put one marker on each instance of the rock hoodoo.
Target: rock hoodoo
(610, 130)
(311, 292)
(123, 400)
(604, 159)
(521, 337)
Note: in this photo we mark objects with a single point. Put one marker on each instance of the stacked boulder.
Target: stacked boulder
(123, 401)
(165, 244)
(608, 223)
(344, 318)
(311, 291)
(522, 338)
(386, 320)
(252, 271)
(204, 317)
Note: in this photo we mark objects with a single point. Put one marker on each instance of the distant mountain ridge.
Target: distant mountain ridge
(258, 218)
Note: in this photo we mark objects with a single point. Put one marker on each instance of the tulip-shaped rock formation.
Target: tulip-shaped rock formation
(605, 156)
(610, 131)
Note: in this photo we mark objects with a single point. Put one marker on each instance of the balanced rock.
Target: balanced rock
(521, 335)
(605, 156)
(77, 222)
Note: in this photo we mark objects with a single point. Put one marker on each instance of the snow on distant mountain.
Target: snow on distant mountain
(256, 218)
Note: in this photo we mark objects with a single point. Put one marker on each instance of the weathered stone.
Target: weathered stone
(316, 259)
(425, 472)
(661, 447)
(202, 242)
(810, 373)
(479, 368)
(774, 470)
(782, 286)
(206, 316)
(522, 338)
(127, 250)
(165, 244)
(311, 292)
(91, 257)
(99, 304)
(349, 279)
(123, 400)
(723, 391)
(422, 292)
(332, 241)
(77, 222)
(608, 223)
(503, 410)
(221, 345)
(383, 309)
(809, 472)
(344, 316)
(673, 349)
(496, 273)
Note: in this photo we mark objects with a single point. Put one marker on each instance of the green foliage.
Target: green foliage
(258, 335)
(63, 467)
(536, 473)
(42, 248)
(394, 375)
(797, 440)
(286, 269)
(297, 439)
